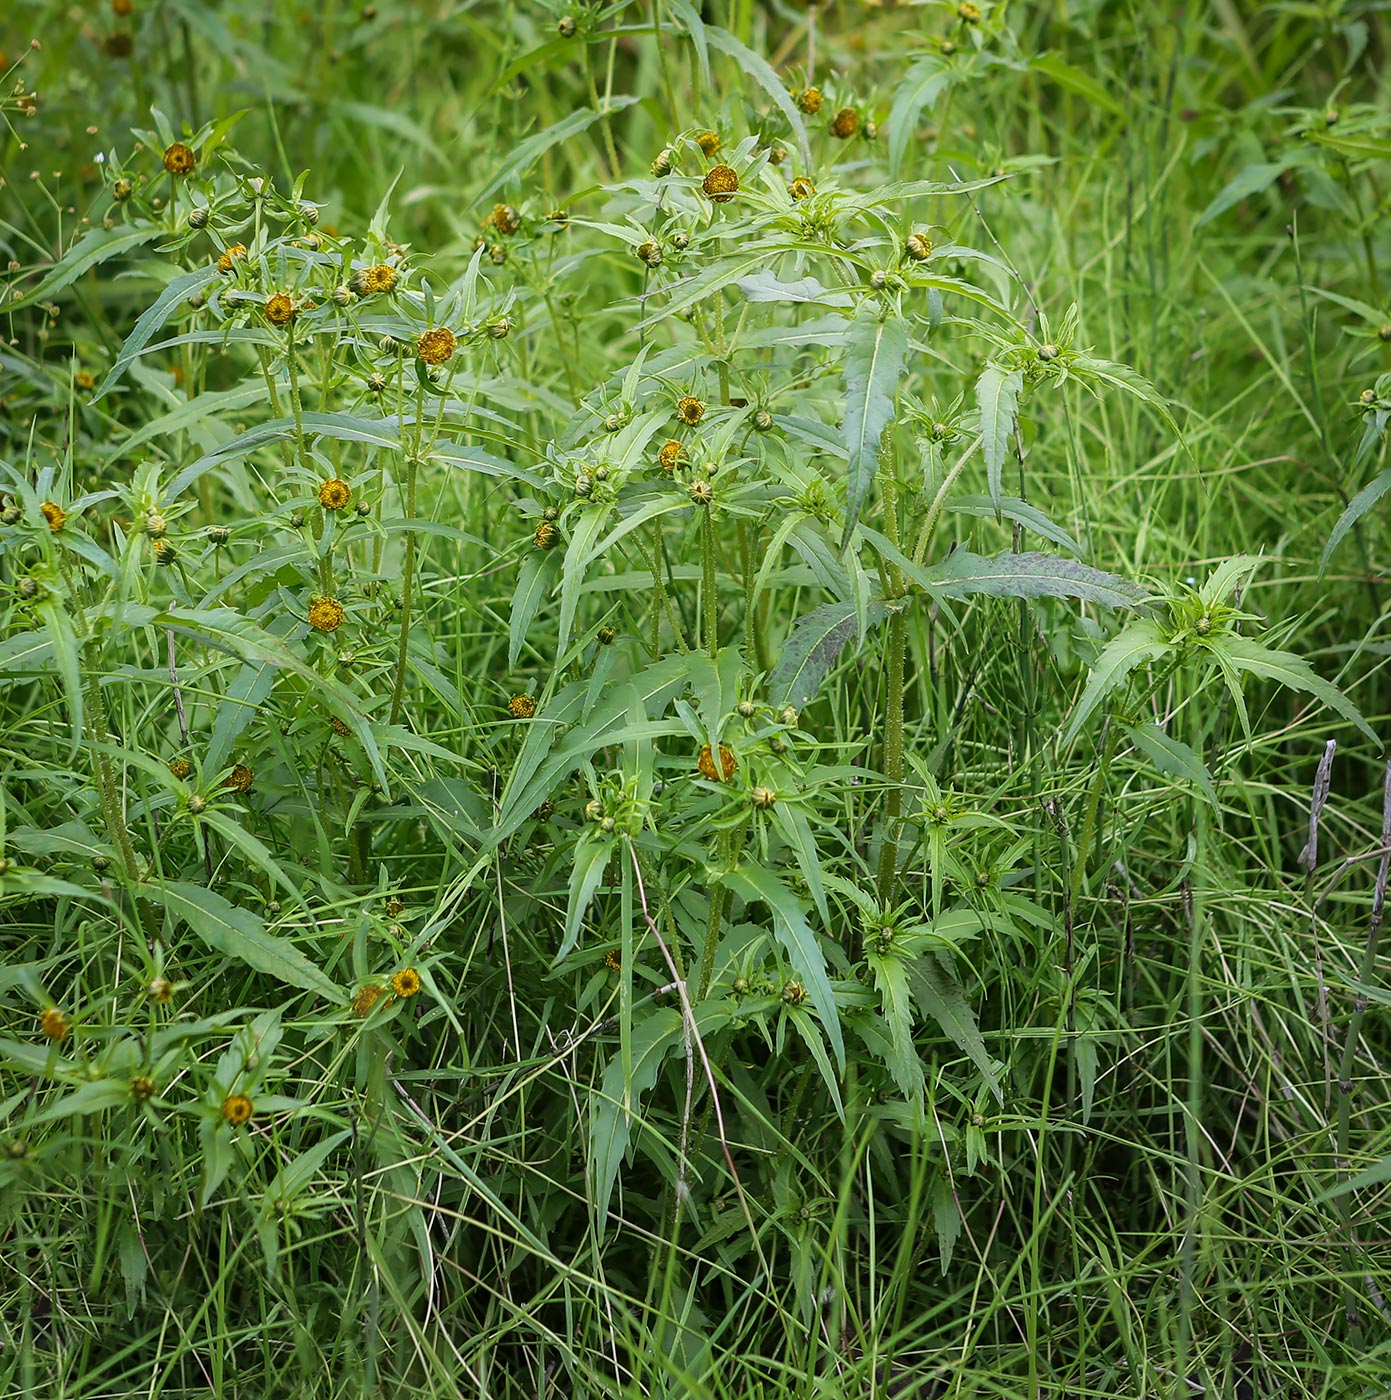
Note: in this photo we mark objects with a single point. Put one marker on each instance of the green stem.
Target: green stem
(710, 599)
(407, 592)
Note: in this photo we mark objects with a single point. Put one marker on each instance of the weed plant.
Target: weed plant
(692, 700)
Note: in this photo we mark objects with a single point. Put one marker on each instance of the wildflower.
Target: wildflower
(845, 123)
(709, 142)
(436, 345)
(670, 454)
(164, 551)
(55, 1024)
(83, 380)
(179, 160)
(728, 764)
(334, 493)
(918, 248)
(56, 516)
(369, 280)
(338, 727)
(968, 13)
(505, 219)
(326, 614)
(801, 188)
(122, 190)
(613, 960)
(237, 1109)
(810, 101)
(239, 779)
(406, 983)
(180, 768)
(690, 410)
(230, 255)
(142, 1087)
(763, 798)
(521, 707)
(701, 492)
(280, 310)
(546, 536)
(720, 184)
(650, 253)
(662, 164)
(793, 993)
(365, 998)
(160, 990)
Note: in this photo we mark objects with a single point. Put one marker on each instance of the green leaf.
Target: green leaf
(997, 397)
(1140, 642)
(1294, 673)
(173, 296)
(534, 582)
(1360, 504)
(940, 996)
(1012, 508)
(922, 85)
(811, 650)
(587, 867)
(1077, 81)
(759, 69)
(1030, 576)
(896, 1001)
(238, 933)
(1172, 757)
(874, 359)
(528, 152)
(96, 246)
(754, 884)
(1251, 179)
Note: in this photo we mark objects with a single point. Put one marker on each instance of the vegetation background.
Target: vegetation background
(691, 700)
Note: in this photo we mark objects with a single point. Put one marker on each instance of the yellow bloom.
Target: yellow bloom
(546, 536)
(180, 767)
(670, 455)
(366, 997)
(613, 960)
(720, 184)
(326, 614)
(54, 1024)
(504, 218)
(56, 516)
(801, 188)
(237, 1109)
(728, 764)
(709, 142)
(436, 345)
(406, 983)
(83, 380)
(230, 255)
(338, 727)
(845, 123)
(334, 494)
(521, 707)
(810, 101)
(690, 410)
(239, 779)
(179, 160)
(280, 310)
(381, 278)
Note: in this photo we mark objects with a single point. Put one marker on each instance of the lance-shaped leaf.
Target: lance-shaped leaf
(1030, 576)
(526, 153)
(812, 647)
(96, 246)
(1295, 673)
(874, 358)
(1141, 642)
(922, 85)
(169, 300)
(1360, 504)
(997, 397)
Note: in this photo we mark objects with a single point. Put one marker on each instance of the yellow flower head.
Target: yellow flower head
(845, 123)
(436, 345)
(918, 247)
(810, 101)
(230, 255)
(690, 410)
(83, 380)
(280, 310)
(334, 494)
(709, 142)
(968, 13)
(338, 727)
(179, 159)
(521, 707)
(326, 614)
(406, 983)
(546, 536)
(801, 188)
(239, 779)
(381, 278)
(56, 516)
(365, 998)
(720, 184)
(728, 764)
(237, 1109)
(180, 767)
(670, 454)
(505, 219)
(54, 1024)
(613, 960)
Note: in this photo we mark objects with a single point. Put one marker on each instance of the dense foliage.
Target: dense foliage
(691, 700)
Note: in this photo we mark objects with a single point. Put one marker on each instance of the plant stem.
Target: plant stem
(407, 591)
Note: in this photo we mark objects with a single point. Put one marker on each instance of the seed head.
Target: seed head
(55, 1024)
(720, 184)
(406, 982)
(801, 188)
(436, 346)
(690, 410)
(230, 256)
(237, 1109)
(180, 767)
(334, 494)
(650, 253)
(810, 101)
(845, 123)
(326, 614)
(729, 765)
(280, 310)
(365, 998)
(546, 536)
(709, 142)
(505, 219)
(239, 779)
(918, 248)
(522, 707)
(56, 516)
(179, 159)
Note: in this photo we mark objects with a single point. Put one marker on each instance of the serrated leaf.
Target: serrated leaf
(896, 1003)
(920, 86)
(98, 245)
(1172, 757)
(240, 934)
(1012, 508)
(1030, 575)
(173, 296)
(528, 152)
(874, 360)
(1360, 504)
(997, 398)
(812, 647)
(1294, 673)
(939, 995)
(1139, 643)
